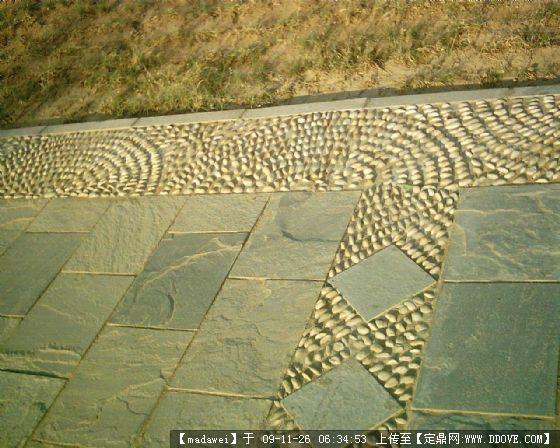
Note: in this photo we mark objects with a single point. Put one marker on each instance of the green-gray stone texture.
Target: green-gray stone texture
(506, 234)
(493, 349)
(346, 398)
(296, 236)
(246, 341)
(180, 280)
(381, 281)
(55, 334)
(114, 388)
(351, 268)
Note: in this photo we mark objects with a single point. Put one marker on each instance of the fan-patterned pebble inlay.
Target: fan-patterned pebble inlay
(416, 219)
(465, 143)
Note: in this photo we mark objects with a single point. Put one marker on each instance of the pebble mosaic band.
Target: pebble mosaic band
(465, 143)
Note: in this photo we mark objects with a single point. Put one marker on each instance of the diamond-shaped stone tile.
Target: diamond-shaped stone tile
(346, 398)
(381, 281)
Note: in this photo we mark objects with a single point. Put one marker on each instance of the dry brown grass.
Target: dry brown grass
(71, 60)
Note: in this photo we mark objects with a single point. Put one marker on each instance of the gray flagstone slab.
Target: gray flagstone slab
(124, 238)
(246, 341)
(296, 236)
(29, 265)
(114, 388)
(180, 281)
(494, 349)
(57, 331)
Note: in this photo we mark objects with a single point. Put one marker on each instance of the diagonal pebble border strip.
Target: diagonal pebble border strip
(441, 140)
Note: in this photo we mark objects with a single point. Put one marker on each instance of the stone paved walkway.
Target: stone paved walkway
(379, 268)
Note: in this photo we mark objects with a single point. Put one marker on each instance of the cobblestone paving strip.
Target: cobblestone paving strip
(416, 219)
(390, 347)
(485, 142)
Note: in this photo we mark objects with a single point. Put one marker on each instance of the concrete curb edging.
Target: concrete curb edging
(21, 132)
(305, 108)
(90, 126)
(196, 117)
(279, 111)
(463, 95)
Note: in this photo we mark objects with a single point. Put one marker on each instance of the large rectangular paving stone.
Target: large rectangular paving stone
(39, 444)
(29, 265)
(297, 236)
(453, 421)
(7, 325)
(180, 281)
(17, 214)
(183, 410)
(7, 237)
(114, 388)
(58, 330)
(126, 235)
(69, 215)
(220, 213)
(24, 399)
(246, 341)
(507, 233)
(493, 348)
